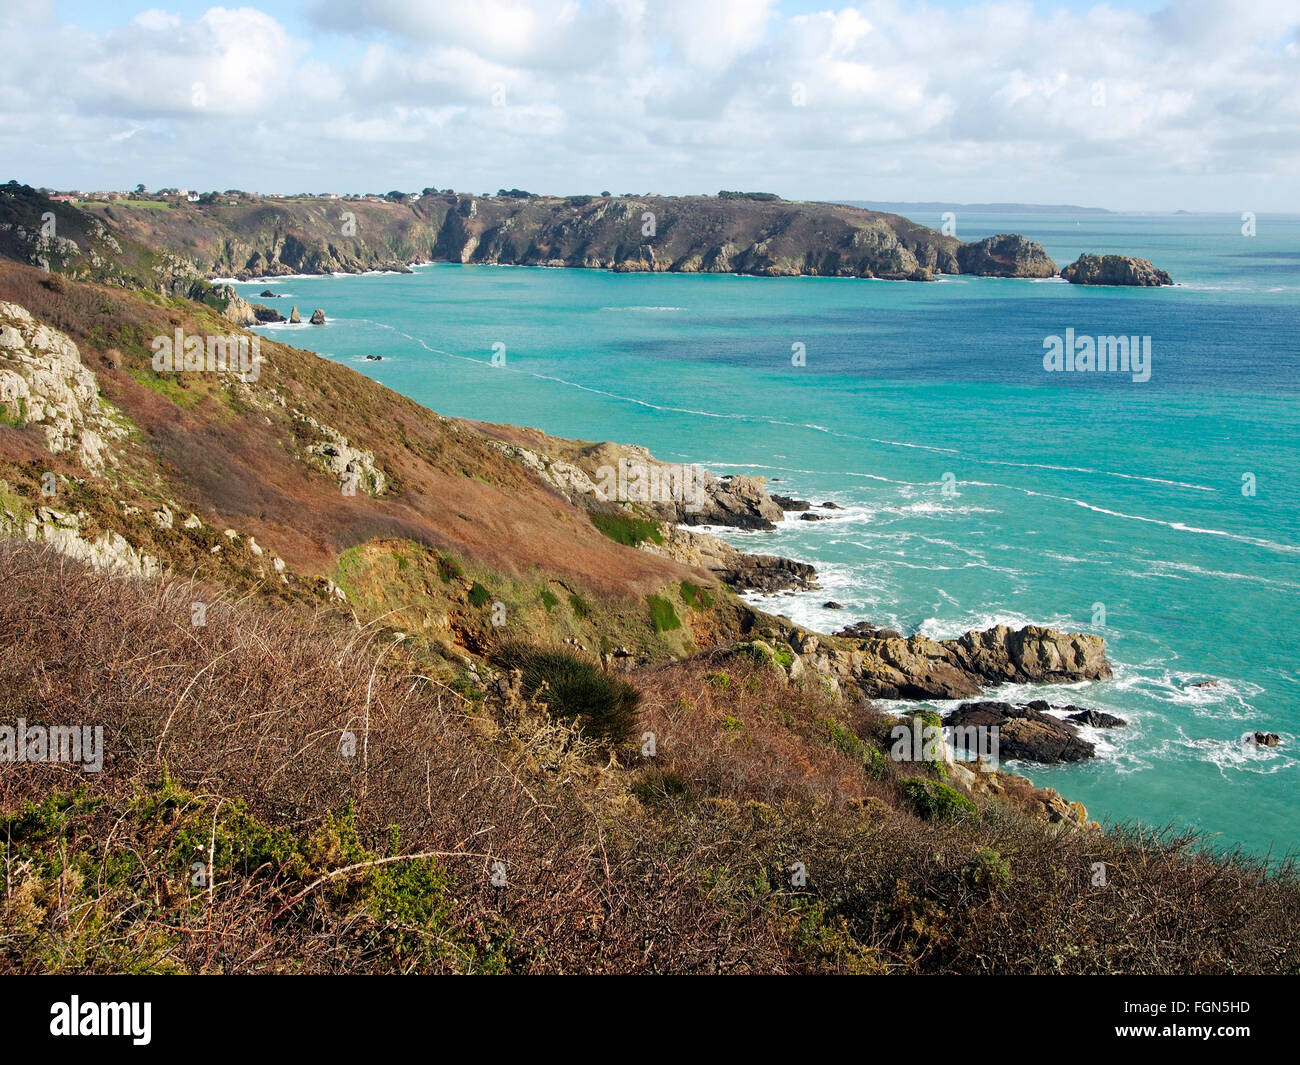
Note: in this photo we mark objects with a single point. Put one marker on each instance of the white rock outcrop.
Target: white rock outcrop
(43, 383)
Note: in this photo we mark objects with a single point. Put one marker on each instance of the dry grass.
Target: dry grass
(224, 745)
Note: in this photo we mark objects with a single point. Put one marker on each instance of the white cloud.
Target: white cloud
(1199, 102)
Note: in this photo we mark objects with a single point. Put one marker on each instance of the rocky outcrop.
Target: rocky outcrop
(62, 531)
(1114, 270)
(921, 668)
(354, 467)
(233, 306)
(265, 314)
(1024, 733)
(318, 317)
(629, 475)
(294, 317)
(1030, 655)
(890, 667)
(1093, 718)
(743, 572)
(1006, 255)
(43, 383)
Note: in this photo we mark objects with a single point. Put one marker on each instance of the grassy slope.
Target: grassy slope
(234, 456)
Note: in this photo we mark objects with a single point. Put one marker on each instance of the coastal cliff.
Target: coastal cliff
(250, 236)
(430, 695)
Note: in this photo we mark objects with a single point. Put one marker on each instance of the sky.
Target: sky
(1128, 105)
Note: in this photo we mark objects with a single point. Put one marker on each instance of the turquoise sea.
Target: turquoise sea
(978, 488)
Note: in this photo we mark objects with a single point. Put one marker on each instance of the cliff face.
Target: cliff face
(255, 237)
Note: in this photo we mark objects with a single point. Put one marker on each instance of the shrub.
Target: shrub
(660, 788)
(478, 595)
(581, 608)
(549, 600)
(575, 688)
(662, 615)
(933, 801)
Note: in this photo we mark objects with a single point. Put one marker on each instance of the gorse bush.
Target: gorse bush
(575, 688)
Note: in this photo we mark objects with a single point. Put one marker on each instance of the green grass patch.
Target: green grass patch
(626, 529)
(449, 569)
(663, 617)
(695, 597)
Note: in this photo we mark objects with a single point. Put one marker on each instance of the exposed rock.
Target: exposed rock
(831, 506)
(1096, 719)
(1024, 733)
(865, 630)
(743, 572)
(264, 313)
(318, 317)
(354, 467)
(1267, 739)
(43, 383)
(267, 294)
(1031, 654)
(921, 668)
(788, 504)
(628, 474)
(294, 317)
(812, 517)
(830, 604)
(62, 531)
(1114, 270)
(1006, 255)
(233, 306)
